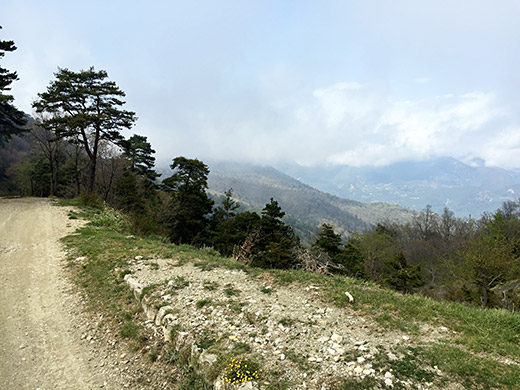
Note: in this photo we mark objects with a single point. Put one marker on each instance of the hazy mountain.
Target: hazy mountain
(439, 182)
(306, 207)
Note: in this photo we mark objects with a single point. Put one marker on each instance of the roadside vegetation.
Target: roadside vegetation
(483, 351)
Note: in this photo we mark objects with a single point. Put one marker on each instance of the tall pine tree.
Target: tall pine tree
(12, 120)
(189, 206)
(86, 108)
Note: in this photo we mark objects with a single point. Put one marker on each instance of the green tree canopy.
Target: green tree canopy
(86, 108)
(189, 206)
(402, 276)
(276, 240)
(327, 240)
(12, 120)
(140, 154)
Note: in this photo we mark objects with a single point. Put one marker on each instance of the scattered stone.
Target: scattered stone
(321, 330)
(206, 360)
(349, 296)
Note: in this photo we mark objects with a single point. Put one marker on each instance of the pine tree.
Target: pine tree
(189, 207)
(140, 154)
(328, 241)
(276, 243)
(86, 108)
(351, 260)
(12, 120)
(402, 276)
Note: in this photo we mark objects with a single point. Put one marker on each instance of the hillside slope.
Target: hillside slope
(306, 207)
(207, 317)
(438, 182)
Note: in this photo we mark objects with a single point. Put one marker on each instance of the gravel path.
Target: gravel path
(40, 345)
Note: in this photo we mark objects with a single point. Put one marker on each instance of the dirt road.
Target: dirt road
(40, 346)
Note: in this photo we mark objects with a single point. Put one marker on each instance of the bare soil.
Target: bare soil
(47, 339)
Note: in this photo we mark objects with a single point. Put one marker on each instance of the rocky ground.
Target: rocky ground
(289, 329)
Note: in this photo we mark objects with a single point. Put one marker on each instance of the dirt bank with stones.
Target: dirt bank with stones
(289, 328)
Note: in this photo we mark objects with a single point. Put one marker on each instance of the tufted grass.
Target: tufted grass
(477, 341)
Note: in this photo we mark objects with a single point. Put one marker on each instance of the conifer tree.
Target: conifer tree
(276, 242)
(86, 108)
(189, 207)
(328, 241)
(402, 276)
(140, 154)
(12, 120)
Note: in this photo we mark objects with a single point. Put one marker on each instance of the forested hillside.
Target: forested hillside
(465, 189)
(306, 207)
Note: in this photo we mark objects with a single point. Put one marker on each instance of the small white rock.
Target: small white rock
(349, 296)
(391, 356)
(323, 339)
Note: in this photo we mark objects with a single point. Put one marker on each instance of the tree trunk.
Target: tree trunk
(76, 172)
(92, 175)
(485, 296)
(51, 165)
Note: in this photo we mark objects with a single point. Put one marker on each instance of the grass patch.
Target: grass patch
(203, 302)
(210, 285)
(266, 290)
(475, 340)
(236, 306)
(230, 291)
(473, 371)
(129, 330)
(178, 283)
(286, 321)
(367, 383)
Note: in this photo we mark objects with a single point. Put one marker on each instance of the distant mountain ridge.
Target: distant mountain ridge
(440, 182)
(305, 207)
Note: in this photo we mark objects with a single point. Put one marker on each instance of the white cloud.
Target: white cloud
(360, 126)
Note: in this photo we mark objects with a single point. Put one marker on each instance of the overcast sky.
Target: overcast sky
(314, 82)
